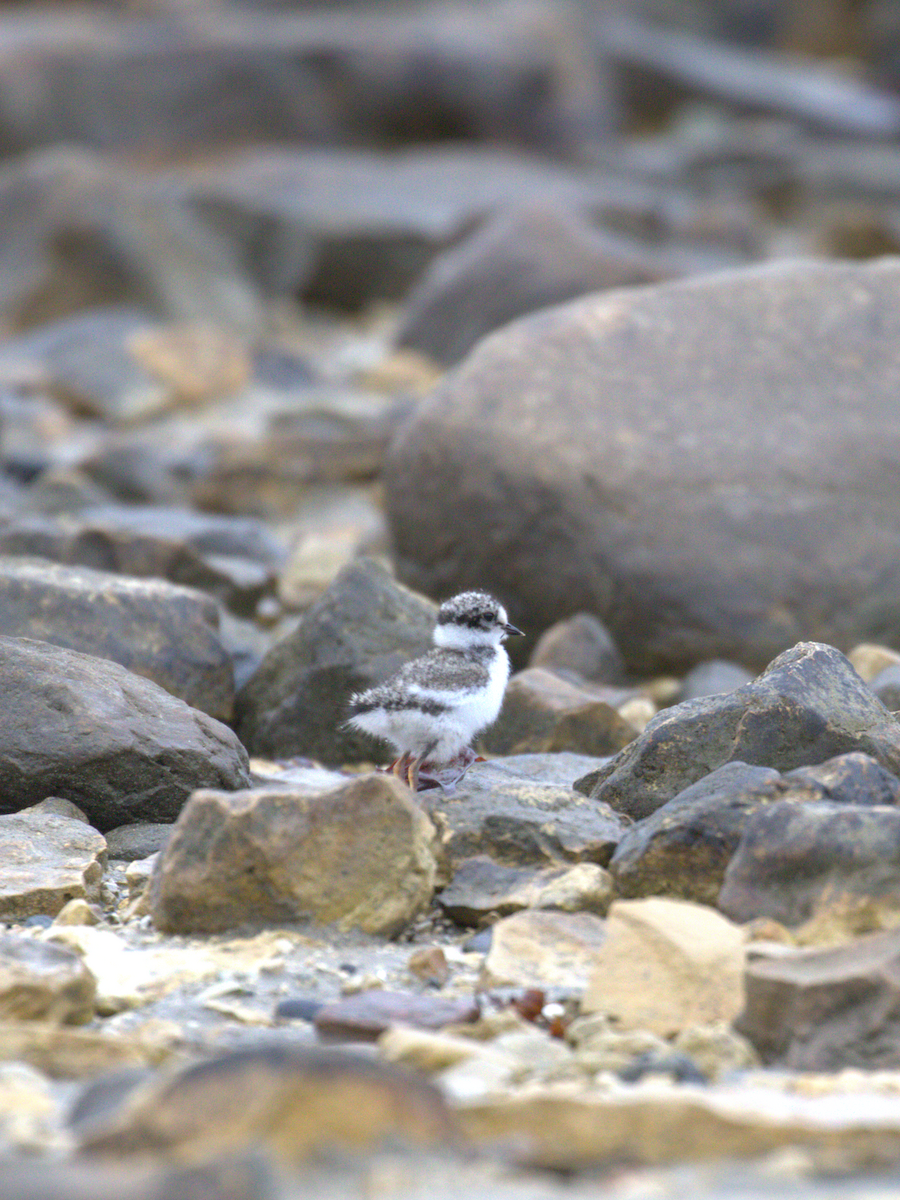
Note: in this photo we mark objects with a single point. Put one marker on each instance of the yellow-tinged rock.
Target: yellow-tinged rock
(667, 964)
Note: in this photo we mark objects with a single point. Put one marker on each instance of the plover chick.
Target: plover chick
(434, 706)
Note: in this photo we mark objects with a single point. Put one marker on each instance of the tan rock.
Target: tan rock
(870, 659)
(430, 964)
(79, 912)
(293, 1101)
(32, 1119)
(65, 1053)
(667, 964)
(716, 1049)
(658, 1124)
(194, 363)
(360, 855)
(39, 982)
(542, 948)
(50, 855)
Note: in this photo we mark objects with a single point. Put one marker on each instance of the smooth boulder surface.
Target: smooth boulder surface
(361, 631)
(114, 744)
(809, 705)
(361, 855)
(639, 459)
(154, 628)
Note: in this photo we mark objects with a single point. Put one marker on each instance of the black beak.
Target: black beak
(511, 629)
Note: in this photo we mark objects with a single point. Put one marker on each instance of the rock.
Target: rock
(886, 686)
(361, 631)
(713, 678)
(663, 1124)
(544, 712)
(797, 862)
(154, 628)
(826, 1009)
(131, 842)
(360, 855)
(541, 948)
(40, 982)
(31, 1121)
(579, 645)
(670, 513)
(234, 559)
(522, 260)
(289, 1100)
(430, 965)
(716, 1049)
(665, 965)
(482, 890)
(50, 856)
(868, 660)
(364, 1018)
(522, 811)
(808, 705)
(115, 744)
(683, 848)
(79, 912)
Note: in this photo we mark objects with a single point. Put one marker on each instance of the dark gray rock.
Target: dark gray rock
(154, 628)
(361, 631)
(850, 779)
(114, 744)
(697, 514)
(826, 1009)
(482, 890)
(809, 705)
(795, 862)
(522, 811)
(235, 559)
(683, 848)
(580, 645)
(520, 261)
(131, 843)
(713, 678)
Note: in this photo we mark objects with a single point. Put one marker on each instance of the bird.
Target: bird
(432, 709)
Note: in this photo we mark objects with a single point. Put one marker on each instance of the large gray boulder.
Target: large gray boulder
(708, 465)
(114, 744)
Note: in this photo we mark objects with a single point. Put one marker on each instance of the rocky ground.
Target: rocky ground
(308, 319)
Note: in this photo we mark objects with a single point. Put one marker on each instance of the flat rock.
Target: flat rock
(50, 855)
(825, 1009)
(154, 628)
(522, 810)
(234, 559)
(115, 744)
(653, 1126)
(361, 631)
(360, 855)
(40, 982)
(542, 711)
(799, 862)
(807, 706)
(365, 1017)
(288, 1099)
(522, 260)
(482, 890)
(665, 965)
(675, 509)
(543, 949)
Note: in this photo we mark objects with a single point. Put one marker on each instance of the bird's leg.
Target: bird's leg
(400, 765)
